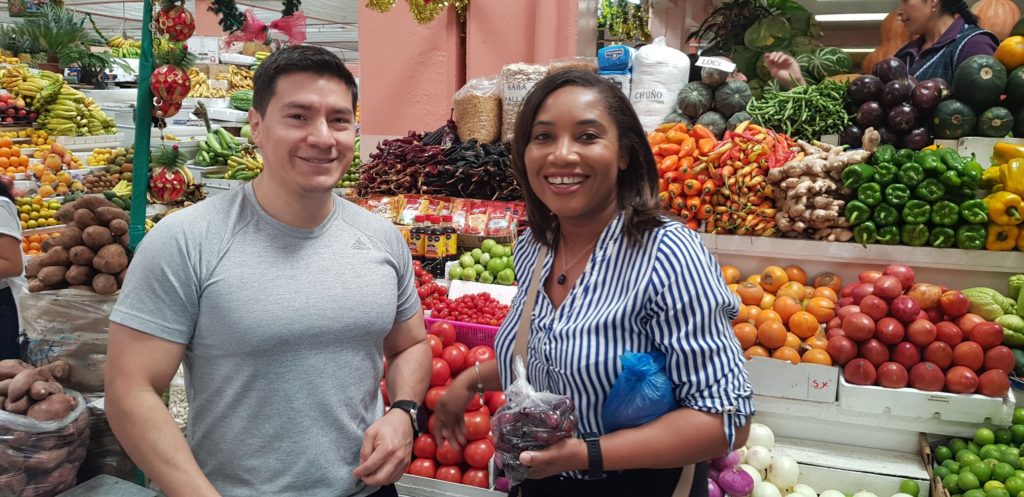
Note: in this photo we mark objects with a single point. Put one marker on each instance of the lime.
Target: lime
(952, 466)
(1014, 485)
(1004, 436)
(487, 245)
(968, 481)
(1002, 472)
(1001, 447)
(941, 471)
(952, 483)
(984, 436)
(992, 485)
(973, 447)
(1012, 451)
(997, 492)
(1018, 434)
(969, 459)
(957, 444)
(975, 493)
(910, 487)
(982, 471)
(942, 453)
(1010, 459)
(990, 452)
(1018, 416)
(1019, 474)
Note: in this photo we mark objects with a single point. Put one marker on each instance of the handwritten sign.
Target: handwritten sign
(820, 384)
(716, 63)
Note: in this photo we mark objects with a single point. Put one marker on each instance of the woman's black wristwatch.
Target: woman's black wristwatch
(595, 464)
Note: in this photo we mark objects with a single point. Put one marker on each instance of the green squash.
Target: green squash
(676, 117)
(953, 119)
(1018, 29)
(979, 81)
(1015, 90)
(714, 122)
(1018, 124)
(996, 122)
(738, 119)
(732, 97)
(695, 99)
(825, 62)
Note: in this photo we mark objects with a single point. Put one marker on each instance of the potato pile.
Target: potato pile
(91, 252)
(100, 182)
(40, 451)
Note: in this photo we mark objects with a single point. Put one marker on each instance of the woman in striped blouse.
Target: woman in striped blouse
(618, 277)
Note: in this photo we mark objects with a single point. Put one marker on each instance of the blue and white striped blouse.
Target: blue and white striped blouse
(665, 294)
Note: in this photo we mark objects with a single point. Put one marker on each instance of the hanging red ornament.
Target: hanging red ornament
(164, 108)
(175, 21)
(170, 83)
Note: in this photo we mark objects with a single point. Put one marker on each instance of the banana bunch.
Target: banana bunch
(125, 48)
(216, 149)
(218, 93)
(239, 78)
(126, 52)
(39, 92)
(74, 114)
(245, 166)
(199, 86)
(13, 76)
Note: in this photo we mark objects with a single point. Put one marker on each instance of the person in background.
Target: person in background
(11, 269)
(947, 35)
(283, 299)
(619, 275)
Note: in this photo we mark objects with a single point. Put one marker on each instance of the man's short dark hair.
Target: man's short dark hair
(295, 59)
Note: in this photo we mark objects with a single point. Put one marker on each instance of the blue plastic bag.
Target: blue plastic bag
(642, 392)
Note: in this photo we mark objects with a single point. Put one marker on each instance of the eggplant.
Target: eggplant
(852, 136)
(902, 118)
(945, 90)
(865, 88)
(891, 69)
(896, 92)
(870, 114)
(888, 137)
(926, 95)
(917, 138)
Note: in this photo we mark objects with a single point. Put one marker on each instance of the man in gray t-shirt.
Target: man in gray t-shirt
(282, 299)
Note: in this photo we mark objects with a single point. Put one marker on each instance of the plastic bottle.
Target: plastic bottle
(435, 249)
(418, 239)
(452, 238)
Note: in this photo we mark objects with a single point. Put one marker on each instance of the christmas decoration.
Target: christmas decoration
(168, 176)
(232, 19)
(293, 29)
(169, 82)
(175, 21)
(424, 11)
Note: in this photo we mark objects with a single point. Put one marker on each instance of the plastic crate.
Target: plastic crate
(469, 333)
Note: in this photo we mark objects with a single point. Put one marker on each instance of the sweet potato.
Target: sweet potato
(19, 406)
(59, 369)
(43, 389)
(9, 368)
(81, 425)
(85, 218)
(79, 275)
(57, 256)
(120, 277)
(124, 241)
(93, 202)
(46, 459)
(60, 480)
(71, 236)
(107, 214)
(53, 275)
(33, 267)
(4, 387)
(34, 285)
(13, 483)
(104, 284)
(11, 460)
(111, 259)
(22, 382)
(97, 237)
(49, 243)
(118, 227)
(53, 407)
(66, 213)
(19, 440)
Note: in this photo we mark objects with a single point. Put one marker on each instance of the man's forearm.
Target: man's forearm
(150, 436)
(409, 373)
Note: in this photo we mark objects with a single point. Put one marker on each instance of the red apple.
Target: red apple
(842, 349)
(994, 383)
(960, 379)
(860, 371)
(888, 287)
(874, 306)
(892, 375)
(999, 357)
(939, 353)
(869, 276)
(969, 354)
(889, 331)
(846, 310)
(954, 303)
(921, 332)
(907, 354)
(987, 334)
(834, 332)
(948, 332)
(927, 376)
(874, 351)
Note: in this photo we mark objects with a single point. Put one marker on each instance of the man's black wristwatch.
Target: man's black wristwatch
(417, 415)
(595, 464)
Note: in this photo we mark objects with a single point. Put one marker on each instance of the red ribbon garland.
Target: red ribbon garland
(293, 27)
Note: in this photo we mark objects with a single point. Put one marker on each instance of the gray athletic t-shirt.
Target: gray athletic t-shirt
(284, 328)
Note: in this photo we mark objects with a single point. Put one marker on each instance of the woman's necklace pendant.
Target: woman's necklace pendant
(561, 279)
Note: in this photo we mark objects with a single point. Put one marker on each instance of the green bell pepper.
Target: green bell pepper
(950, 179)
(856, 175)
(971, 236)
(916, 212)
(951, 159)
(897, 194)
(974, 211)
(903, 156)
(870, 193)
(915, 235)
(942, 237)
(885, 173)
(930, 190)
(910, 174)
(971, 174)
(886, 215)
(945, 213)
(883, 154)
(856, 212)
(865, 233)
(930, 162)
(889, 235)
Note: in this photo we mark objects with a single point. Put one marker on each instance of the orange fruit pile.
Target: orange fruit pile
(33, 244)
(781, 316)
(11, 160)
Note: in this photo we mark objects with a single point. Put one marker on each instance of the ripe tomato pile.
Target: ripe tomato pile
(478, 308)
(442, 461)
(429, 291)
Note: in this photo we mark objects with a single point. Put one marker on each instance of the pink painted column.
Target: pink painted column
(206, 21)
(408, 72)
(500, 32)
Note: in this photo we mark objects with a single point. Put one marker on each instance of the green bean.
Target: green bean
(805, 112)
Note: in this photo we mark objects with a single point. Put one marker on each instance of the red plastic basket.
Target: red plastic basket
(469, 333)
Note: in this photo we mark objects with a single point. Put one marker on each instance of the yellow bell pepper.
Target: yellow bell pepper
(1005, 208)
(1020, 240)
(1001, 237)
(1005, 152)
(990, 178)
(1011, 176)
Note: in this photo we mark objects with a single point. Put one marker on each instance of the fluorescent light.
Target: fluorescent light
(634, 2)
(858, 50)
(879, 16)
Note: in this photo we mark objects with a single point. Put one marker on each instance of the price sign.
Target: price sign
(820, 384)
(716, 63)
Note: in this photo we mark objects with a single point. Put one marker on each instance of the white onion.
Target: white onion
(754, 473)
(832, 493)
(901, 494)
(784, 472)
(795, 494)
(743, 455)
(765, 489)
(759, 457)
(864, 493)
(805, 490)
(761, 435)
